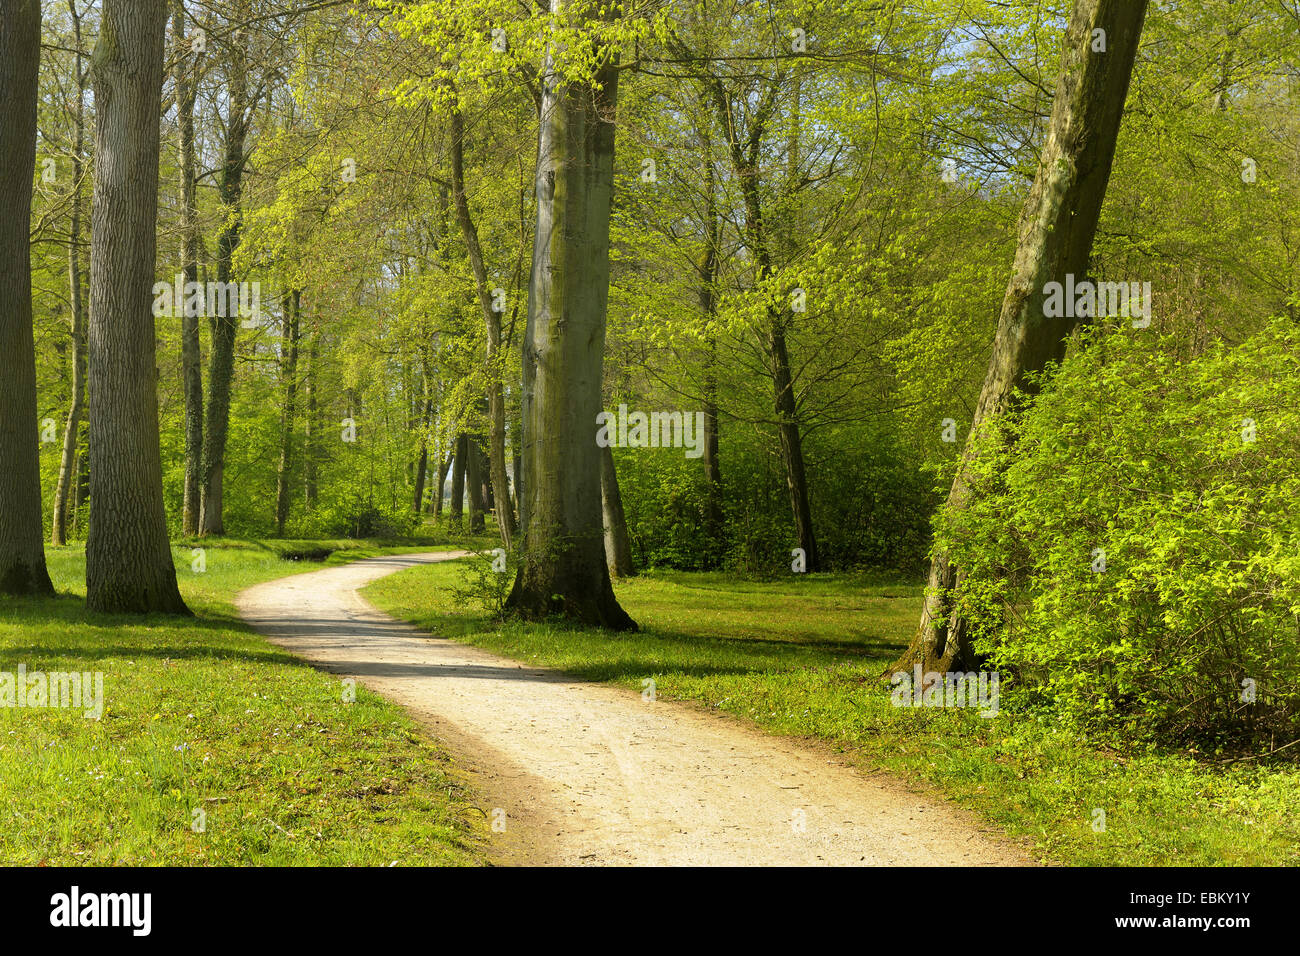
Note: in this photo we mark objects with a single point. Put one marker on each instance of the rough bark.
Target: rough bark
(77, 409)
(1057, 226)
(289, 353)
(191, 357)
(128, 557)
(492, 325)
(563, 568)
(22, 545)
(618, 547)
(221, 361)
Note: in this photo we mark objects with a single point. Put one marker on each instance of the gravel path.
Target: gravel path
(590, 774)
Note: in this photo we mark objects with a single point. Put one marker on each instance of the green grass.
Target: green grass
(800, 657)
(205, 714)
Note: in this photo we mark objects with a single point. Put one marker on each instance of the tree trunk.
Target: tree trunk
(458, 480)
(22, 545)
(708, 309)
(72, 428)
(292, 307)
(311, 427)
(221, 362)
(563, 569)
(1057, 226)
(618, 549)
(492, 324)
(474, 484)
(128, 557)
(191, 356)
(443, 466)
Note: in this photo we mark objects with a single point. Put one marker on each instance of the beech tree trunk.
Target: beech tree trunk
(474, 484)
(458, 480)
(1057, 226)
(618, 547)
(22, 539)
(72, 427)
(191, 356)
(289, 349)
(563, 568)
(492, 324)
(221, 362)
(128, 557)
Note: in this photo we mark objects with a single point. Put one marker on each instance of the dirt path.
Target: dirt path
(590, 774)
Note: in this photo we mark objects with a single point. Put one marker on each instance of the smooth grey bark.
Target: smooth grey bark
(77, 409)
(618, 547)
(128, 557)
(1057, 227)
(563, 569)
(191, 356)
(22, 545)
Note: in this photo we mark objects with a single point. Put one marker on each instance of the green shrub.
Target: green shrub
(1132, 561)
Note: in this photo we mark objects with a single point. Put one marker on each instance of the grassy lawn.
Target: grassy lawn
(205, 715)
(800, 657)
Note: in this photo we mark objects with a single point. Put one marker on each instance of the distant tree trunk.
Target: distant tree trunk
(128, 557)
(191, 356)
(744, 155)
(492, 324)
(618, 549)
(221, 361)
(444, 465)
(708, 309)
(22, 545)
(72, 428)
(1057, 226)
(458, 480)
(311, 427)
(563, 569)
(289, 350)
(474, 484)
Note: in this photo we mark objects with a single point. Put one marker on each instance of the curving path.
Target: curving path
(591, 774)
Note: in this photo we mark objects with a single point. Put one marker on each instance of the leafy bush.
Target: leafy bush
(1133, 556)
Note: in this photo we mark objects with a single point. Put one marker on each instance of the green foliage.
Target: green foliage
(1182, 474)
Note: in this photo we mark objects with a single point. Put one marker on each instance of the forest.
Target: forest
(792, 357)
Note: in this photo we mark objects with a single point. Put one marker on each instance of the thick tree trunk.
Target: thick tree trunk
(191, 357)
(22, 545)
(563, 569)
(128, 557)
(492, 324)
(221, 362)
(618, 547)
(458, 480)
(72, 428)
(289, 349)
(1057, 226)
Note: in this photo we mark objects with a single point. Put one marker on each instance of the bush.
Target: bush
(1132, 560)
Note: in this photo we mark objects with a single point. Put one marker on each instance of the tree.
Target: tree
(128, 557)
(1057, 227)
(563, 567)
(22, 553)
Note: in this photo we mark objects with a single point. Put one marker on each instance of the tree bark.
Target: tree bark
(191, 356)
(1057, 226)
(72, 427)
(221, 362)
(474, 484)
(563, 568)
(128, 557)
(22, 545)
(618, 547)
(289, 348)
(458, 480)
(311, 427)
(492, 324)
